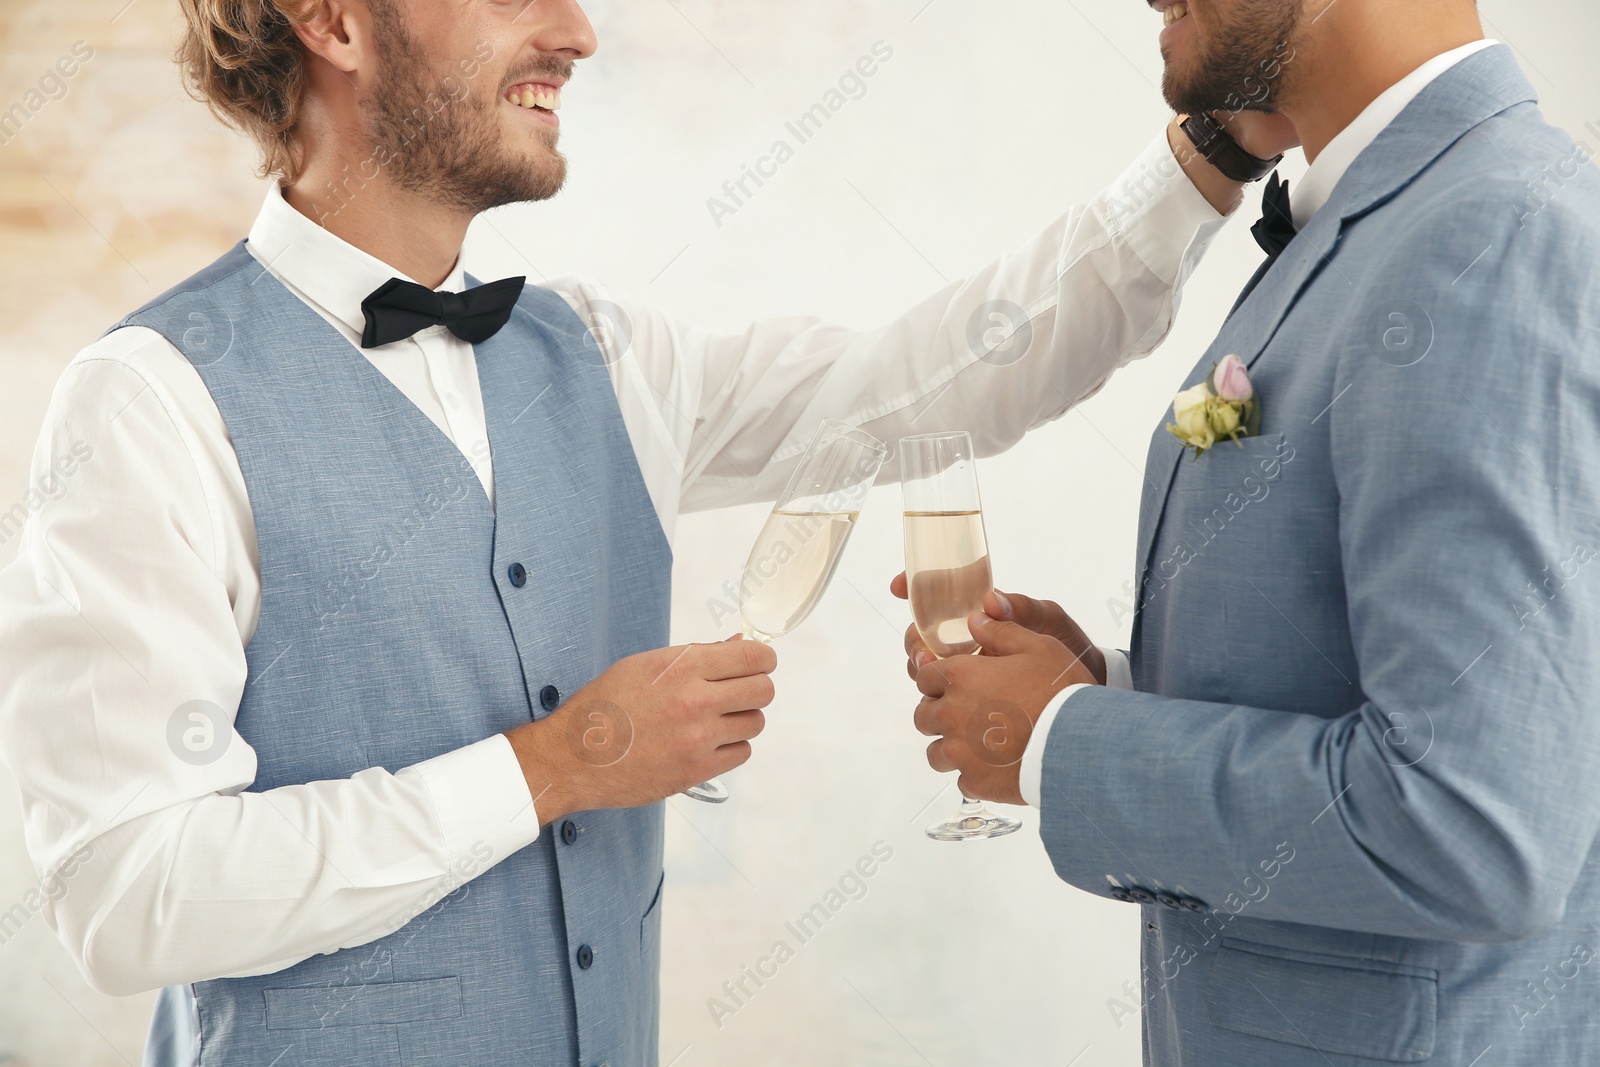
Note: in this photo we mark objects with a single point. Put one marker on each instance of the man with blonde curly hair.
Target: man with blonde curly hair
(362, 751)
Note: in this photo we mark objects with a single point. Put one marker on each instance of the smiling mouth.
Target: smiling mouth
(1175, 13)
(535, 96)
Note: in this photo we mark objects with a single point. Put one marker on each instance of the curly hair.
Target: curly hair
(243, 60)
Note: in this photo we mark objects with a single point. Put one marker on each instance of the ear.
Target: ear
(339, 32)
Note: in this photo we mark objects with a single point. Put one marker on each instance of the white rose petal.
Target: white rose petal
(1190, 398)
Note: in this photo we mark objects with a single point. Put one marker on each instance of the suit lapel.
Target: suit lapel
(1246, 335)
(1476, 89)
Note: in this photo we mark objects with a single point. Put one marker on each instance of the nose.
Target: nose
(563, 29)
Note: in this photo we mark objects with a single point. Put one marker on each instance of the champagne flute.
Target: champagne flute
(947, 575)
(803, 540)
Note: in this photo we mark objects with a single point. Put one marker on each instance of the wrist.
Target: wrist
(1223, 149)
(1221, 192)
(556, 780)
(1095, 660)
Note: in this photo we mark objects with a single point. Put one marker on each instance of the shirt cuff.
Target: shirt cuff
(1119, 672)
(1032, 781)
(1156, 209)
(481, 797)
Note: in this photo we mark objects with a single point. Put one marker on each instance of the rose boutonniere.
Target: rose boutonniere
(1223, 407)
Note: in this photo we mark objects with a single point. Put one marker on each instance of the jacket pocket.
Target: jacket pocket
(1353, 1006)
(650, 925)
(363, 1004)
(1249, 467)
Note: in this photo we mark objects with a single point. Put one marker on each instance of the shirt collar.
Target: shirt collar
(1314, 190)
(327, 272)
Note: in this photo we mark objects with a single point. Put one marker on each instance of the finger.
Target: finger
(931, 680)
(734, 659)
(739, 694)
(937, 759)
(1000, 606)
(926, 718)
(739, 726)
(917, 654)
(729, 757)
(1001, 638)
(898, 586)
(1040, 616)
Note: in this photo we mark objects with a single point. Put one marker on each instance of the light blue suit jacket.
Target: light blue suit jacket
(1365, 749)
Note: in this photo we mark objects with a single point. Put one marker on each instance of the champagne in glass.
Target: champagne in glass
(789, 568)
(803, 540)
(947, 575)
(947, 563)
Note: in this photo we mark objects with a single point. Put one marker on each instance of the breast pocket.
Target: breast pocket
(1372, 1009)
(1249, 468)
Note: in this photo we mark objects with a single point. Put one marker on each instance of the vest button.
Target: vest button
(569, 831)
(549, 697)
(585, 957)
(518, 575)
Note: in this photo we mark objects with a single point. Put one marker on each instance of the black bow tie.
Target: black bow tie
(1273, 233)
(397, 309)
(1275, 229)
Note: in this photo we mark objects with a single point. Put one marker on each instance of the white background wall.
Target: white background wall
(990, 120)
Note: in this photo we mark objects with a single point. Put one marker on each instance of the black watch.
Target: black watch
(1212, 140)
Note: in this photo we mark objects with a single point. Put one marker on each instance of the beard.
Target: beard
(1241, 69)
(439, 138)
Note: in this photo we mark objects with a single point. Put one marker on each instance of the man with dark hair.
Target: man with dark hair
(366, 584)
(1350, 775)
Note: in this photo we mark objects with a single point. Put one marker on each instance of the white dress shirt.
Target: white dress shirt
(1305, 200)
(136, 588)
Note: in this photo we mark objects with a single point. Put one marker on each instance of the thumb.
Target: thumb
(1000, 638)
(1014, 607)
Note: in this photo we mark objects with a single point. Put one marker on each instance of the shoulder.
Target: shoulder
(1520, 191)
(134, 386)
(1467, 293)
(180, 297)
(626, 329)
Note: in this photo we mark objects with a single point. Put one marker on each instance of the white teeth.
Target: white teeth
(1175, 13)
(539, 96)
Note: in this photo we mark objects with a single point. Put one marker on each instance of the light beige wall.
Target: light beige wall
(990, 120)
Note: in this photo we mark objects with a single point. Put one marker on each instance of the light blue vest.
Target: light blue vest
(402, 617)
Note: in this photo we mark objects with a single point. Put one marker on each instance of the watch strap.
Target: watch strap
(1212, 140)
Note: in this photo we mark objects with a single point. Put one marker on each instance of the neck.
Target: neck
(416, 236)
(1351, 51)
